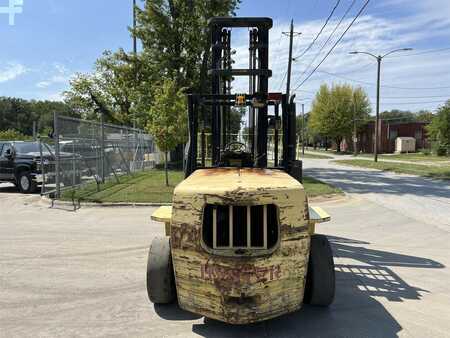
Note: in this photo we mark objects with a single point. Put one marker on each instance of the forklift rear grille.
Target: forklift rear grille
(240, 227)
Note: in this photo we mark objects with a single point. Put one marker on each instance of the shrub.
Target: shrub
(13, 135)
(441, 150)
(425, 151)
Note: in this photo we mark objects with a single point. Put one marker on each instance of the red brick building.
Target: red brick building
(388, 132)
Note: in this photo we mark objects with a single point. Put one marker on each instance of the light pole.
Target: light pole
(379, 58)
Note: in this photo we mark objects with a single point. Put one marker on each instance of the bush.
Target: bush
(13, 135)
(441, 150)
(425, 151)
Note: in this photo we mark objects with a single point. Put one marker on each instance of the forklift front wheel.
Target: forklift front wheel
(160, 276)
(320, 279)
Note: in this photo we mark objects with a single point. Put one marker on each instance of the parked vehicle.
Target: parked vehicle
(21, 163)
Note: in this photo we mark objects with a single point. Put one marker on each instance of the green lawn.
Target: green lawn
(412, 157)
(403, 168)
(149, 187)
(313, 156)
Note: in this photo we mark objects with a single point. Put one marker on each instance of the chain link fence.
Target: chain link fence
(81, 152)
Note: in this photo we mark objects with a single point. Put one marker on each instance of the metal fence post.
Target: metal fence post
(42, 166)
(102, 147)
(57, 156)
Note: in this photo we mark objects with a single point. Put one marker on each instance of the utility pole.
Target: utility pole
(134, 53)
(291, 41)
(289, 70)
(379, 58)
(303, 129)
(355, 138)
(377, 120)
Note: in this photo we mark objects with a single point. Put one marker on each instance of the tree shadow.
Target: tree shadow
(362, 181)
(354, 313)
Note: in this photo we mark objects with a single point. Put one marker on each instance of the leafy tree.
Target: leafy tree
(109, 90)
(439, 129)
(19, 114)
(167, 120)
(336, 109)
(424, 116)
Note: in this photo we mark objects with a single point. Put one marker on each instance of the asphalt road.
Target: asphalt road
(65, 273)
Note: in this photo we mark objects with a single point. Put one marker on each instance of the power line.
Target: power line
(422, 53)
(383, 86)
(320, 32)
(413, 103)
(329, 38)
(335, 44)
(415, 97)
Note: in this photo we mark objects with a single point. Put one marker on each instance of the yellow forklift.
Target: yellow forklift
(240, 244)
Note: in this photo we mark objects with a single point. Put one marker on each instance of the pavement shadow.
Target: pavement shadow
(361, 181)
(8, 188)
(354, 313)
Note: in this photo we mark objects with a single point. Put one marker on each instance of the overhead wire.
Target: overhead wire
(320, 31)
(335, 44)
(329, 38)
(383, 86)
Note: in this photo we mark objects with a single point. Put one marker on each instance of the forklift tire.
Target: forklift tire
(320, 279)
(25, 183)
(160, 276)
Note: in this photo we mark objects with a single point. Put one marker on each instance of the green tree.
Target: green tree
(167, 118)
(439, 129)
(19, 114)
(335, 111)
(110, 89)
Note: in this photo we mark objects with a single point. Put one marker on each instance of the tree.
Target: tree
(335, 111)
(439, 129)
(110, 89)
(19, 114)
(167, 118)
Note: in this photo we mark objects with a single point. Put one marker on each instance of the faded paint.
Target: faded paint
(240, 290)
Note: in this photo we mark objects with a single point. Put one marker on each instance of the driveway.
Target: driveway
(422, 199)
(65, 273)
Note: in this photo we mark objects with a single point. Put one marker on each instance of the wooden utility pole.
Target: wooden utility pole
(291, 34)
(291, 41)
(303, 129)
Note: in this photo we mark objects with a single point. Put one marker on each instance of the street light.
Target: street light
(377, 121)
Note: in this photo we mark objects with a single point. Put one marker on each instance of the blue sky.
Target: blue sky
(53, 39)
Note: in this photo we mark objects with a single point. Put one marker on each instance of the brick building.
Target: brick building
(388, 132)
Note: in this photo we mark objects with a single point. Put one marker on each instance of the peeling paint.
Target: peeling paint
(240, 289)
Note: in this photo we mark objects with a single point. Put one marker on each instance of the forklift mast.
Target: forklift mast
(258, 100)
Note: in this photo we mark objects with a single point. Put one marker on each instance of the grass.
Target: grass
(315, 188)
(314, 156)
(442, 172)
(149, 187)
(412, 157)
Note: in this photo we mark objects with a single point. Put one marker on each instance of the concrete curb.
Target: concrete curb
(56, 203)
(50, 202)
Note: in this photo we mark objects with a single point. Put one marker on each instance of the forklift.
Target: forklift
(240, 244)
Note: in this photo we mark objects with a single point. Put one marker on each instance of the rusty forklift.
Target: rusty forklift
(240, 244)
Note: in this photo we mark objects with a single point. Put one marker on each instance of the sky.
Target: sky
(51, 40)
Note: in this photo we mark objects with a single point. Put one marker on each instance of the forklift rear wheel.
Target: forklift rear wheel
(160, 276)
(320, 279)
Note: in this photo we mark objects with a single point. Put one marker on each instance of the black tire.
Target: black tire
(320, 279)
(25, 183)
(160, 276)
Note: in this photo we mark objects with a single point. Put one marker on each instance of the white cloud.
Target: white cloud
(11, 71)
(371, 33)
(59, 74)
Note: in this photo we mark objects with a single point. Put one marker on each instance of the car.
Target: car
(21, 163)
